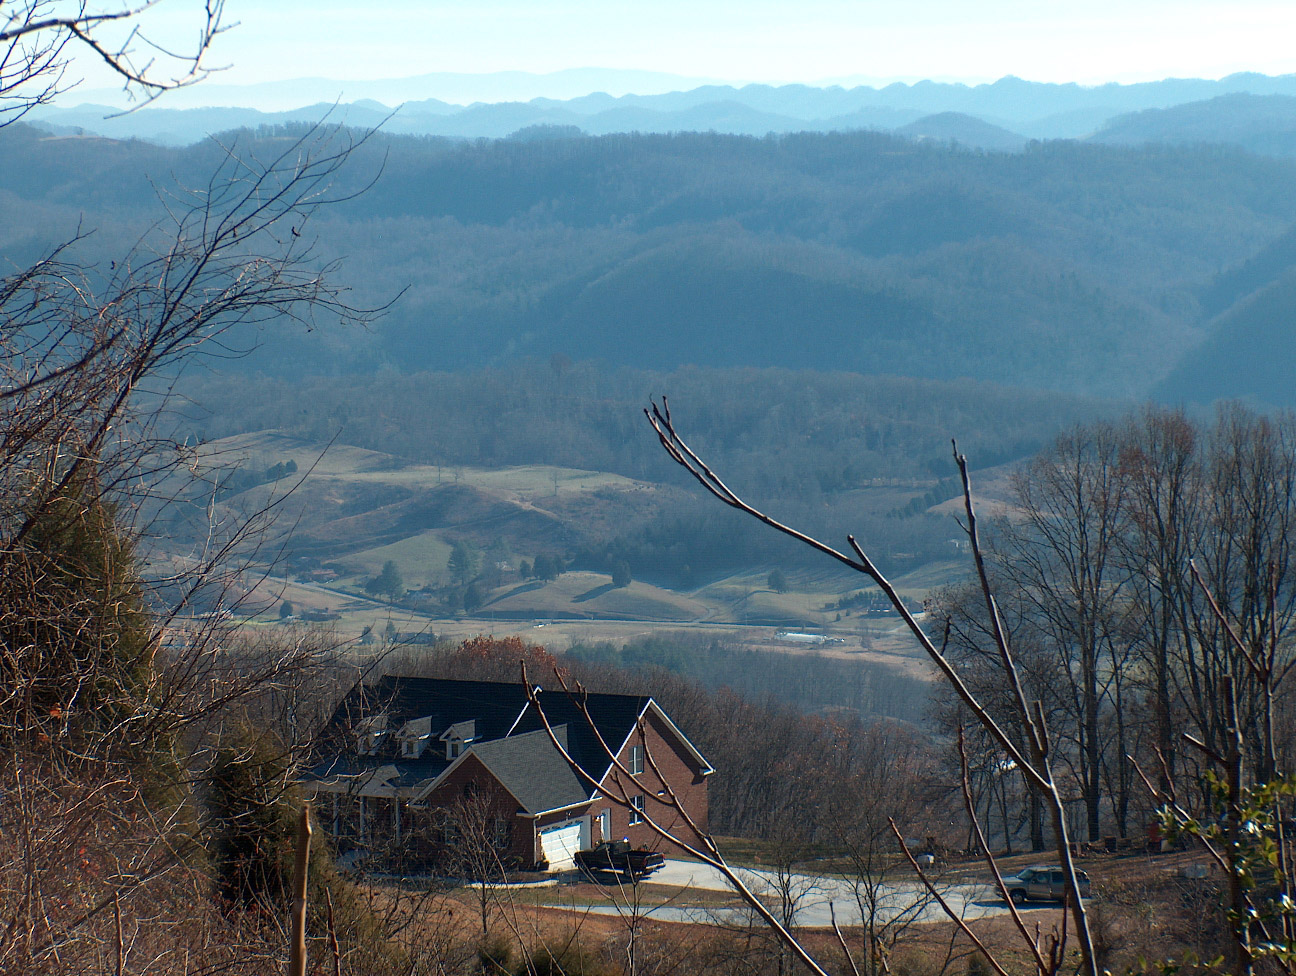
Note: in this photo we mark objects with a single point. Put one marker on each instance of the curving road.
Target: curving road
(817, 894)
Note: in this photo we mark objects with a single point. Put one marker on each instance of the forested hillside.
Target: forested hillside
(780, 431)
(1066, 266)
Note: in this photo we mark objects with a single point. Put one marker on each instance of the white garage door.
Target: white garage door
(561, 842)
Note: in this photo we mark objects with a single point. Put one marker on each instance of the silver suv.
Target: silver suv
(1042, 884)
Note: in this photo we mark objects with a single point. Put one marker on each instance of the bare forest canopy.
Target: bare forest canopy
(811, 684)
(788, 432)
(1101, 270)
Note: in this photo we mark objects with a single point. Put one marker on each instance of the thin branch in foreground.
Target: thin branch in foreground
(989, 858)
(841, 939)
(954, 916)
(1037, 767)
(707, 852)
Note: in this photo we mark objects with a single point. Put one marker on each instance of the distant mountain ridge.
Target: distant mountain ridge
(1263, 124)
(1024, 109)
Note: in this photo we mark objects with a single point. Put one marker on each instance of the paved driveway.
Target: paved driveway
(816, 893)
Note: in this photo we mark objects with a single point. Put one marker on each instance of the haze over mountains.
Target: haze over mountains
(1024, 110)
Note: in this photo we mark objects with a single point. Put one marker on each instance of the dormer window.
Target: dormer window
(369, 734)
(458, 737)
(412, 746)
(414, 737)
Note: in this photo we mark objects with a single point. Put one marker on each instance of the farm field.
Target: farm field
(351, 511)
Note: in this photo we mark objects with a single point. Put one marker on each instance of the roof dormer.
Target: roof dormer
(458, 737)
(414, 737)
(370, 733)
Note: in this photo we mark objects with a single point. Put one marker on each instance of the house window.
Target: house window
(502, 833)
(636, 759)
(636, 809)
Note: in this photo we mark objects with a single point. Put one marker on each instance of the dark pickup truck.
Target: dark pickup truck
(619, 858)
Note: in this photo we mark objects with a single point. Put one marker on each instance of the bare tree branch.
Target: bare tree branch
(40, 39)
(1037, 767)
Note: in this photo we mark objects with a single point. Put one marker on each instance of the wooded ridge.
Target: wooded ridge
(1067, 266)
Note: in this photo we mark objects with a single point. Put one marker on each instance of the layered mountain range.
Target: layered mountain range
(1004, 115)
(1115, 266)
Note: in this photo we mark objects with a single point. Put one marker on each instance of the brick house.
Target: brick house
(414, 771)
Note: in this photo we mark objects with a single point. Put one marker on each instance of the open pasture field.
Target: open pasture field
(354, 510)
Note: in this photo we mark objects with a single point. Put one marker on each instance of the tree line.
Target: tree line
(808, 683)
(1118, 538)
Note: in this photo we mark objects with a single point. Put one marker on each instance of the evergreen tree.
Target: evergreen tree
(777, 581)
(75, 639)
(252, 823)
(252, 811)
(462, 564)
(474, 597)
(621, 573)
(388, 583)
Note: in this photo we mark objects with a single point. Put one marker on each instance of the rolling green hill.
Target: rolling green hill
(966, 130)
(352, 511)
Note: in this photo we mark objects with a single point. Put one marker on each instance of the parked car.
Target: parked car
(1042, 884)
(619, 858)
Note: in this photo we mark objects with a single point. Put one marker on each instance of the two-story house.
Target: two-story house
(403, 757)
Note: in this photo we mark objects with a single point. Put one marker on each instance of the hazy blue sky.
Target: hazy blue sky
(758, 40)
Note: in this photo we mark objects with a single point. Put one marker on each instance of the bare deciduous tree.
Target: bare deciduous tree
(109, 680)
(1060, 551)
(1036, 760)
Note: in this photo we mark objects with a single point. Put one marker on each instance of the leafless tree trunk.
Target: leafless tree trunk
(297, 942)
(1060, 552)
(1161, 463)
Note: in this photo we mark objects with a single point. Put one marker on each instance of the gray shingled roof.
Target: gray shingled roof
(532, 770)
(464, 730)
(511, 740)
